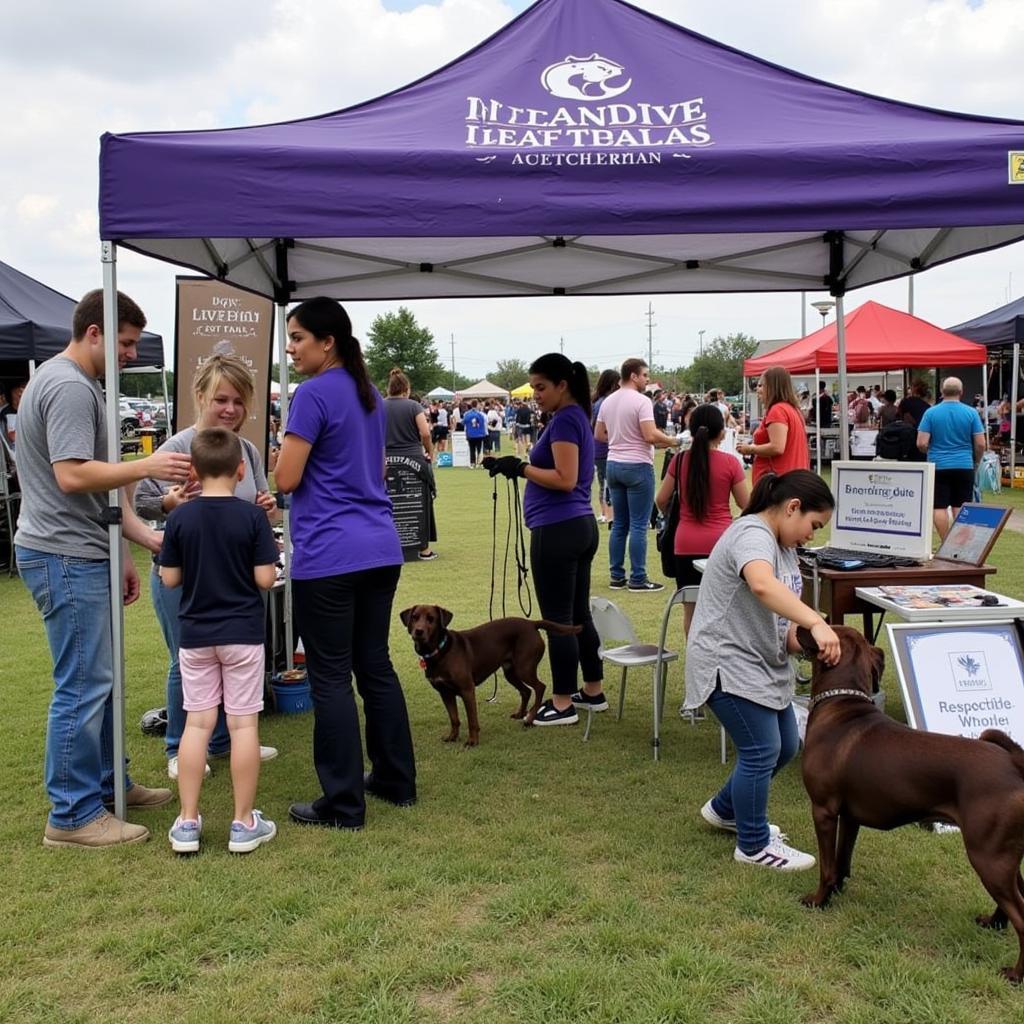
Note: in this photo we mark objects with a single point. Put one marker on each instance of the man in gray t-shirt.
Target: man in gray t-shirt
(63, 556)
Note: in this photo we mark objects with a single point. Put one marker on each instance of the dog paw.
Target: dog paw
(518, 714)
(1011, 974)
(996, 923)
(450, 737)
(472, 742)
(815, 900)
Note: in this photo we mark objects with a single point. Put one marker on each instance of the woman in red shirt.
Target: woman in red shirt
(706, 479)
(780, 441)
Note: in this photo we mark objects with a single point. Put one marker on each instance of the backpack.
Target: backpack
(897, 440)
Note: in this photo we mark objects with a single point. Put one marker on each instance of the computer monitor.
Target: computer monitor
(883, 507)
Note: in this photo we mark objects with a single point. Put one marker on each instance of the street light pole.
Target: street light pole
(700, 343)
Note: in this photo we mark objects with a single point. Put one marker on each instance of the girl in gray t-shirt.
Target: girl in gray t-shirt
(737, 654)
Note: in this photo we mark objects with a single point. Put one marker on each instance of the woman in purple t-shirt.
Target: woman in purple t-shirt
(345, 567)
(563, 532)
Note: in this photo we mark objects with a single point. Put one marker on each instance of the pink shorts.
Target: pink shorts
(231, 674)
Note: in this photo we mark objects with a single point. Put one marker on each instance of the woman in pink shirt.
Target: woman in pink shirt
(707, 478)
(780, 441)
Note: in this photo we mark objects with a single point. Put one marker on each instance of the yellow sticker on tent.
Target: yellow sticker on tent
(1016, 167)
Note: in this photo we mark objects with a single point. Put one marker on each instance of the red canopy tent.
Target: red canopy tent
(877, 338)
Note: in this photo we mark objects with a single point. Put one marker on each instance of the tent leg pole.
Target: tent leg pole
(844, 422)
(110, 326)
(1013, 412)
(984, 400)
(282, 367)
(817, 417)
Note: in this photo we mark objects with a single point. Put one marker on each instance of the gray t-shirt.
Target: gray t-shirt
(61, 418)
(149, 493)
(733, 635)
(402, 436)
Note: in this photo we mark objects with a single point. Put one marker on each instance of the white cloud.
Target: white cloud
(80, 70)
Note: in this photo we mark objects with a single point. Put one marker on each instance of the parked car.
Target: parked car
(130, 420)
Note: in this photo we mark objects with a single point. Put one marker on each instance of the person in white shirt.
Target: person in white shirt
(492, 443)
(626, 423)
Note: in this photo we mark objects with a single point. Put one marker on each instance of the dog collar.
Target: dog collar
(815, 701)
(425, 658)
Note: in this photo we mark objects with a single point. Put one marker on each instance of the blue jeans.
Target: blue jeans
(166, 602)
(73, 596)
(631, 485)
(765, 740)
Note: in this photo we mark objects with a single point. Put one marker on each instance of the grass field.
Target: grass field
(538, 879)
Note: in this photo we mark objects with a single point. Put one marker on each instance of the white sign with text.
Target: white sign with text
(961, 679)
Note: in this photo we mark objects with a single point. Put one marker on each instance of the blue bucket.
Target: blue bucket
(292, 698)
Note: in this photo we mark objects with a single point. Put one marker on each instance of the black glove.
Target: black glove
(507, 465)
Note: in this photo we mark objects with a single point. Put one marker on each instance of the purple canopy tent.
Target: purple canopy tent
(587, 148)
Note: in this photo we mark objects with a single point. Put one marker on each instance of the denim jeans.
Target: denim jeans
(166, 602)
(631, 485)
(344, 622)
(765, 741)
(73, 597)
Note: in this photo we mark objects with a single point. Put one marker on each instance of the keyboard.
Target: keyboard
(836, 558)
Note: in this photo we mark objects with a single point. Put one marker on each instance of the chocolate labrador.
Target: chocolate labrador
(456, 663)
(862, 768)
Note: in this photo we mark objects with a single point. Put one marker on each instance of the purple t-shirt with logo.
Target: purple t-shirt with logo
(543, 506)
(341, 514)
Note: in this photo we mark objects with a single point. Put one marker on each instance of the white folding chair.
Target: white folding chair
(613, 627)
(9, 498)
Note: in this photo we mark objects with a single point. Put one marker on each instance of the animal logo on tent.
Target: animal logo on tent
(584, 78)
(1016, 163)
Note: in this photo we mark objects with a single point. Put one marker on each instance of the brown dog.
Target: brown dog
(862, 768)
(456, 663)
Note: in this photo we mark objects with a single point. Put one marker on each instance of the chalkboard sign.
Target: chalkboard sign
(408, 487)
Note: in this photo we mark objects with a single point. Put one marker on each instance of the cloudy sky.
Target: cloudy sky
(69, 72)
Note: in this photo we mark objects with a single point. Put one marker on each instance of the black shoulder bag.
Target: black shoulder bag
(667, 534)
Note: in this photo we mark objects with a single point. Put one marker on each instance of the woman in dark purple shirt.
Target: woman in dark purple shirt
(345, 566)
(563, 532)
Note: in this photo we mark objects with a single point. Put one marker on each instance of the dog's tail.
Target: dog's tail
(558, 628)
(1000, 739)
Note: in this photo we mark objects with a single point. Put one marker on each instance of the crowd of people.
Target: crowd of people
(202, 505)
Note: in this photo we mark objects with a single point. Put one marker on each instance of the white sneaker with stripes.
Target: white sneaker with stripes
(778, 856)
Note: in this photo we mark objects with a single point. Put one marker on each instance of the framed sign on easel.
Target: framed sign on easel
(960, 678)
(973, 533)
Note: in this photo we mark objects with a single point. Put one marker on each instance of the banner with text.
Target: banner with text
(214, 318)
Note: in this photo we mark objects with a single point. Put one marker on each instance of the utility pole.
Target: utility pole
(561, 345)
(650, 336)
(453, 360)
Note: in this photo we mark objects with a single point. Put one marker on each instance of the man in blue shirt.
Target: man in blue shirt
(476, 430)
(952, 435)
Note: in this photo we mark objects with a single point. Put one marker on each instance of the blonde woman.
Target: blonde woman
(223, 392)
(780, 441)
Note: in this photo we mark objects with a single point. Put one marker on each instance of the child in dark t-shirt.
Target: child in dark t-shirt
(221, 551)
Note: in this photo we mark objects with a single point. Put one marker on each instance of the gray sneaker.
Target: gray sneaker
(185, 834)
(244, 839)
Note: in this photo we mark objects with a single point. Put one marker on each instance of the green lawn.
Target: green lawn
(539, 879)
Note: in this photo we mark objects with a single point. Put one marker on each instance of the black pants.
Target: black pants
(344, 622)
(475, 445)
(560, 558)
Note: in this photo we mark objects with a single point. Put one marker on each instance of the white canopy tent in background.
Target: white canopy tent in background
(484, 389)
(731, 174)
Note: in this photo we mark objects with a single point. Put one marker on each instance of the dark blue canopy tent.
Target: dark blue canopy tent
(35, 323)
(1001, 328)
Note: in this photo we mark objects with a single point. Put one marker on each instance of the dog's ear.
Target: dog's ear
(877, 665)
(407, 615)
(807, 642)
(444, 615)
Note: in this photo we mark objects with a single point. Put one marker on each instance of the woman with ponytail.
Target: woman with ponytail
(737, 654)
(706, 478)
(563, 532)
(346, 561)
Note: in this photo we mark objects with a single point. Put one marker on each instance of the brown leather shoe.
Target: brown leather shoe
(106, 830)
(140, 796)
